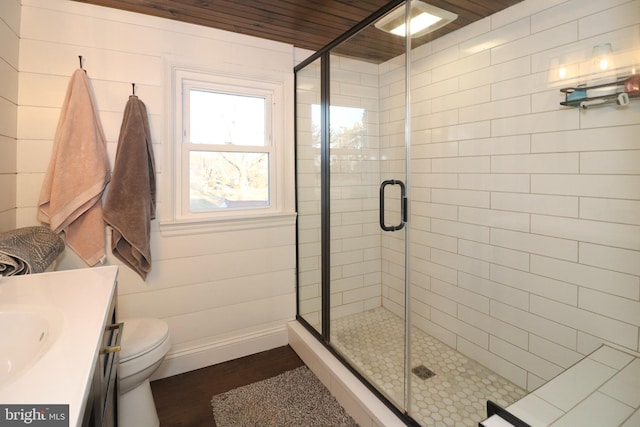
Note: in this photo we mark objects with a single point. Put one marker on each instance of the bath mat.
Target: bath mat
(292, 399)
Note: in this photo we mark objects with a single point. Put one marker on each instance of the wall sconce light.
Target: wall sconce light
(603, 71)
(602, 57)
(425, 18)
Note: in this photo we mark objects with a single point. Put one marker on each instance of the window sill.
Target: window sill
(215, 225)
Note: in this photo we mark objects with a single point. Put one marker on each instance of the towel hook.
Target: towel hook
(81, 67)
(133, 89)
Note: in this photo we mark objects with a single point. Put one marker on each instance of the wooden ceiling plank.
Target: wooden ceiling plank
(264, 20)
(303, 23)
(249, 26)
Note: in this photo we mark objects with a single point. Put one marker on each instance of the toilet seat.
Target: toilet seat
(141, 336)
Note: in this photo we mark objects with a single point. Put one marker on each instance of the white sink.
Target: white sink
(51, 328)
(27, 333)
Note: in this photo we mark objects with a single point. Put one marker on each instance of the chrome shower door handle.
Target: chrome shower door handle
(403, 205)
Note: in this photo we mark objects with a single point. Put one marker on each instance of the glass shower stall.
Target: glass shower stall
(369, 286)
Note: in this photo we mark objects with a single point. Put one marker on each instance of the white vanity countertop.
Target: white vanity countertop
(63, 374)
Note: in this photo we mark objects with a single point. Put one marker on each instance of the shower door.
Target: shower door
(352, 196)
(367, 208)
(382, 279)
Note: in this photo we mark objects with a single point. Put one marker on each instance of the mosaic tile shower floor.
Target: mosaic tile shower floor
(455, 396)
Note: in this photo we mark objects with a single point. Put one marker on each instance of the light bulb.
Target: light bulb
(562, 72)
(602, 71)
(604, 64)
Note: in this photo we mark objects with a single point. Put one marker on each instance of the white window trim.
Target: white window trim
(281, 211)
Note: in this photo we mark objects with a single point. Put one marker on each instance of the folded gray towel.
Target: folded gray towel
(28, 250)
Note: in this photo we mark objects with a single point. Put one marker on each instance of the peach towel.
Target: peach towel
(71, 195)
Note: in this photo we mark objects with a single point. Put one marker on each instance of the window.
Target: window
(228, 140)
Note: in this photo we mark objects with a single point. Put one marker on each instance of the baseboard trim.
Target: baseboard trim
(220, 351)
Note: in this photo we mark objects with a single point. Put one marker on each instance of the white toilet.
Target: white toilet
(145, 342)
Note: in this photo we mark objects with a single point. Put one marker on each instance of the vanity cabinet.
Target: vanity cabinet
(67, 355)
(102, 404)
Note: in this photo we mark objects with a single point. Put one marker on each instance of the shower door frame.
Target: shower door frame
(324, 335)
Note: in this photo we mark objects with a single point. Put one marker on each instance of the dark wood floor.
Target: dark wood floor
(185, 400)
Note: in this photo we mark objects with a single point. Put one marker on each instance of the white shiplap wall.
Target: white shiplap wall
(224, 293)
(526, 214)
(9, 31)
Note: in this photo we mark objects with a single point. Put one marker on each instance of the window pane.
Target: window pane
(228, 180)
(221, 118)
(347, 126)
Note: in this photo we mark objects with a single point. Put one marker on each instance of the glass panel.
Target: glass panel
(453, 324)
(409, 308)
(222, 179)
(367, 264)
(222, 118)
(308, 194)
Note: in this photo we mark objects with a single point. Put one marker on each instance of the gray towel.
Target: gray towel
(130, 204)
(28, 250)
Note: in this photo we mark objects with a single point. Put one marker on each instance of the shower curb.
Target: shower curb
(354, 396)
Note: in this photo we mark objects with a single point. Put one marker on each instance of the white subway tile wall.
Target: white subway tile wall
(524, 215)
(542, 200)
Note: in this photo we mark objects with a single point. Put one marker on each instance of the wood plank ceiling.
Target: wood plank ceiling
(308, 24)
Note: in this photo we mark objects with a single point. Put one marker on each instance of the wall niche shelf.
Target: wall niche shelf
(619, 92)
